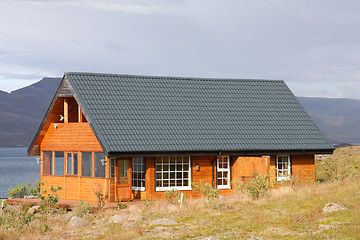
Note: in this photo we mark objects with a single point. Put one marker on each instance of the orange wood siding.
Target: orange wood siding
(54, 117)
(244, 168)
(302, 167)
(70, 137)
(76, 188)
(204, 174)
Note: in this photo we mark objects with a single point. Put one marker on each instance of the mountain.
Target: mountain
(21, 112)
(338, 118)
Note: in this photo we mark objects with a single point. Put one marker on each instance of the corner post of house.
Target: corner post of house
(79, 174)
(41, 163)
(107, 177)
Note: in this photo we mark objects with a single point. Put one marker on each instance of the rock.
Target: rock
(100, 222)
(31, 197)
(118, 219)
(33, 210)
(207, 238)
(76, 222)
(135, 217)
(333, 207)
(163, 221)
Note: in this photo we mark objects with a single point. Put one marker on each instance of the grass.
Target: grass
(285, 213)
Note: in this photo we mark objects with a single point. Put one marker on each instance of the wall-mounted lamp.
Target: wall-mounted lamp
(103, 162)
(38, 160)
(55, 126)
(197, 167)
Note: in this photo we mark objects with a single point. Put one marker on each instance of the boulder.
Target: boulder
(163, 221)
(118, 219)
(33, 210)
(135, 217)
(333, 207)
(76, 222)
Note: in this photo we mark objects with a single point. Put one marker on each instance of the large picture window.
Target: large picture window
(283, 168)
(223, 173)
(138, 174)
(173, 173)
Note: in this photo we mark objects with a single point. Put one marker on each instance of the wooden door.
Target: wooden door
(123, 170)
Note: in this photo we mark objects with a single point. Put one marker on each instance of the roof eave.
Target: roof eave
(217, 152)
(32, 149)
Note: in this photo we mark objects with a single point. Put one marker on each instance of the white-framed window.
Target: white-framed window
(173, 173)
(223, 173)
(283, 168)
(138, 174)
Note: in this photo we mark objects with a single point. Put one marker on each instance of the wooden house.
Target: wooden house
(139, 136)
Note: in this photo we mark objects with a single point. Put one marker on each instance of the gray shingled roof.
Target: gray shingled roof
(166, 114)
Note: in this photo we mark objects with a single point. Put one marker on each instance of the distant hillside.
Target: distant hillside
(338, 118)
(21, 112)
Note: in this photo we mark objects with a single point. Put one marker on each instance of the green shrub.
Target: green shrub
(100, 196)
(174, 196)
(239, 186)
(82, 209)
(209, 192)
(258, 186)
(20, 191)
(121, 205)
(51, 199)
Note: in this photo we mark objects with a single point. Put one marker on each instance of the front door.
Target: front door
(123, 170)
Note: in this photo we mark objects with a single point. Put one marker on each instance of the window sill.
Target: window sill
(162, 189)
(223, 187)
(141, 189)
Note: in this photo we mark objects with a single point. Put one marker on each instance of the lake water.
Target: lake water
(16, 168)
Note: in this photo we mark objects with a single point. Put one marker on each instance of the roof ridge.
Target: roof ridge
(171, 77)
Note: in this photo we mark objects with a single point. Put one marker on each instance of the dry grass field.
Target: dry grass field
(288, 212)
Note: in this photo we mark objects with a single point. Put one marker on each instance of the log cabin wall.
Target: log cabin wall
(302, 167)
(245, 167)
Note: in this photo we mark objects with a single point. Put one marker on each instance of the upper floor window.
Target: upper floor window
(283, 168)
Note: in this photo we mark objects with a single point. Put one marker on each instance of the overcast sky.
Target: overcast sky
(313, 45)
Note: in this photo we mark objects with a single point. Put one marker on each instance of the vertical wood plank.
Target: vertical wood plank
(66, 110)
(80, 114)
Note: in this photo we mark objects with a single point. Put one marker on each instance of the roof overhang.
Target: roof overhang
(218, 152)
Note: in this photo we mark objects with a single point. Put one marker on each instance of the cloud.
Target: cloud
(312, 47)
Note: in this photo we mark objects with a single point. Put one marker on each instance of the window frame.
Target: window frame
(91, 167)
(142, 172)
(221, 170)
(98, 164)
(72, 164)
(56, 163)
(283, 178)
(189, 171)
